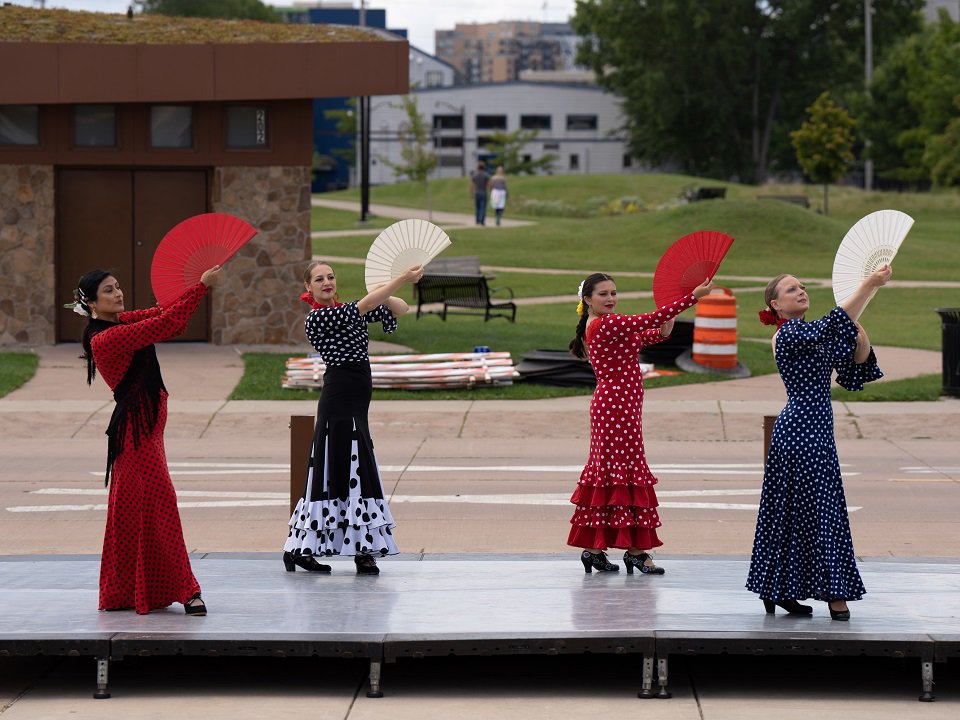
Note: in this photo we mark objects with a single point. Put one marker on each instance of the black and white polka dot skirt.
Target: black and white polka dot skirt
(343, 510)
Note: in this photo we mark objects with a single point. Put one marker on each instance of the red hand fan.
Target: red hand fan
(687, 263)
(192, 247)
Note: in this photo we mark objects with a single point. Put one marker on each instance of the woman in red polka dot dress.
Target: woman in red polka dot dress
(144, 565)
(616, 506)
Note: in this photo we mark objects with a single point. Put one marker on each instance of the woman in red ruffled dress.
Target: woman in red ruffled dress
(616, 506)
(144, 565)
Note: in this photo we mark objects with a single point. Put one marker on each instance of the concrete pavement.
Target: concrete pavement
(478, 477)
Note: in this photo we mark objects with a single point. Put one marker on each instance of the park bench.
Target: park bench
(801, 200)
(469, 294)
(705, 193)
(461, 265)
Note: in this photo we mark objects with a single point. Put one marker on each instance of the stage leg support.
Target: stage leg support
(663, 693)
(375, 670)
(103, 670)
(926, 678)
(646, 688)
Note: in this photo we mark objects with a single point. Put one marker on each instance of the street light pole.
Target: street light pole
(364, 141)
(867, 79)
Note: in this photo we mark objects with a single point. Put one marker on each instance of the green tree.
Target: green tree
(714, 86)
(507, 147)
(417, 158)
(943, 153)
(229, 9)
(824, 143)
(345, 122)
(911, 102)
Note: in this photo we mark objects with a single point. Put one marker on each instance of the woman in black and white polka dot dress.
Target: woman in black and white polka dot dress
(343, 510)
(802, 548)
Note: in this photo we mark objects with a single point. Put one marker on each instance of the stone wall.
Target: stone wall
(27, 278)
(258, 298)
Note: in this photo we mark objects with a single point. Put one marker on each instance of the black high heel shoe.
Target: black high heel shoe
(597, 561)
(838, 614)
(309, 563)
(366, 565)
(195, 606)
(791, 606)
(639, 562)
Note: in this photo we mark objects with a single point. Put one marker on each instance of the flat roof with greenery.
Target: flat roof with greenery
(21, 24)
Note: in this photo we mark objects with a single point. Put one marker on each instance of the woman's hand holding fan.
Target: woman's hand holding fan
(686, 264)
(193, 247)
(403, 245)
(870, 244)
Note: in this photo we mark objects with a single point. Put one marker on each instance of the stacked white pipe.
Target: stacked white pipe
(414, 372)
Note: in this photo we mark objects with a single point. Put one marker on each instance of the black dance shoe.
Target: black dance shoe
(291, 562)
(366, 565)
(838, 614)
(597, 561)
(639, 562)
(791, 606)
(195, 606)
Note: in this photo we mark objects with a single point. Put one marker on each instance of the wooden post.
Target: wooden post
(301, 437)
(768, 421)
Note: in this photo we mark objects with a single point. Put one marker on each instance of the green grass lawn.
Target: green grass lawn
(771, 237)
(323, 219)
(922, 387)
(15, 369)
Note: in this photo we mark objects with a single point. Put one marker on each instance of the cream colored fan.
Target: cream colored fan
(871, 243)
(401, 246)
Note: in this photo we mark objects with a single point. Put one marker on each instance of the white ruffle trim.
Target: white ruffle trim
(352, 526)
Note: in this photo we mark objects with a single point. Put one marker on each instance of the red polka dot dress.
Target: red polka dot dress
(616, 506)
(144, 565)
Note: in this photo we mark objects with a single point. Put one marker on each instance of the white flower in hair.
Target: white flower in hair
(80, 310)
(580, 290)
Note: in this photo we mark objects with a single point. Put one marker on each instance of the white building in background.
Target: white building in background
(427, 71)
(579, 124)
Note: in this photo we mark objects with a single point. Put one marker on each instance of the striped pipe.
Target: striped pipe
(715, 330)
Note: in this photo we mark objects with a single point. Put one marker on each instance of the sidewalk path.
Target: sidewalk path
(446, 220)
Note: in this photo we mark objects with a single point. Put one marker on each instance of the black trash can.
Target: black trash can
(950, 323)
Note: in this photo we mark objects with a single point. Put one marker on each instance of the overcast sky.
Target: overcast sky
(420, 17)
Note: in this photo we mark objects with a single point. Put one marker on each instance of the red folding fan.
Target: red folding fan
(192, 247)
(687, 263)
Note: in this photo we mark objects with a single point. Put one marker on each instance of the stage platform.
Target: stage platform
(446, 605)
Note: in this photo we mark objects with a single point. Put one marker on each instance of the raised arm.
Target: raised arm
(379, 295)
(857, 302)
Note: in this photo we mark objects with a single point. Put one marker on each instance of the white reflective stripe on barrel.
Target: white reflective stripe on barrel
(704, 349)
(706, 322)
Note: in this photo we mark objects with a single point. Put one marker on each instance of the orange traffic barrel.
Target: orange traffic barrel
(715, 330)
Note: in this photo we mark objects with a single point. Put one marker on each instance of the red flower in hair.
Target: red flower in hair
(308, 298)
(769, 317)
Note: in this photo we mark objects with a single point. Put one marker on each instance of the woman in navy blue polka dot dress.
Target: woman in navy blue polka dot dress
(802, 548)
(343, 510)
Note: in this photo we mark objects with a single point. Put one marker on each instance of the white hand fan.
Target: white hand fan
(868, 245)
(401, 246)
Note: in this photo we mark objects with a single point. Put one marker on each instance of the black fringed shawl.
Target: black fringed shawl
(137, 397)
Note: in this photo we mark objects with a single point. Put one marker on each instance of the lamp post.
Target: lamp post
(462, 110)
(364, 108)
(867, 78)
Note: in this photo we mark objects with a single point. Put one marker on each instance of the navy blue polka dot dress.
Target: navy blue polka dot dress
(802, 548)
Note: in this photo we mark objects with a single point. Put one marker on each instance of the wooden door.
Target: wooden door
(161, 199)
(114, 220)
(94, 230)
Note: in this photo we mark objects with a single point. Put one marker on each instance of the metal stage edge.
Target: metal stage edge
(443, 605)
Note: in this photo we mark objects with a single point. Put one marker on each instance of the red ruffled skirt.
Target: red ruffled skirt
(615, 508)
